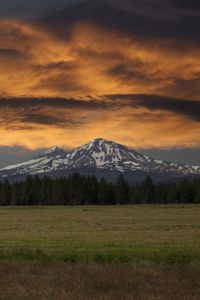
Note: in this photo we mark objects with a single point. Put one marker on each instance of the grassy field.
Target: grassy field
(100, 253)
(28, 281)
(144, 235)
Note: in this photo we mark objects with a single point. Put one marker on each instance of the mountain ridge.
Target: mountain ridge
(98, 156)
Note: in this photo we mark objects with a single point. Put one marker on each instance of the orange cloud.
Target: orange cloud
(37, 123)
(94, 62)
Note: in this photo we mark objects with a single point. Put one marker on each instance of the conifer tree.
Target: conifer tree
(148, 190)
(122, 190)
(6, 193)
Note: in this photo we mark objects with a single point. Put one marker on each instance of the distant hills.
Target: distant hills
(100, 158)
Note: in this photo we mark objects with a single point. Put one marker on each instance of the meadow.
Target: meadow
(100, 252)
(143, 234)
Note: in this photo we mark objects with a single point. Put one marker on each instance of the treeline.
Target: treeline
(82, 190)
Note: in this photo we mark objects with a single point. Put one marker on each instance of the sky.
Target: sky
(123, 70)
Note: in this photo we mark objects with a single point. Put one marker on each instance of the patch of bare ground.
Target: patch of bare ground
(28, 281)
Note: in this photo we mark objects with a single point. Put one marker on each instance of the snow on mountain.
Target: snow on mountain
(42, 164)
(54, 151)
(98, 154)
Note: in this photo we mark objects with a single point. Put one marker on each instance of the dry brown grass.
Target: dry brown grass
(97, 282)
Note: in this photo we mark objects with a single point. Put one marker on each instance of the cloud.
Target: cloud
(185, 88)
(132, 73)
(155, 19)
(29, 110)
(94, 61)
(187, 108)
(98, 68)
(131, 119)
(155, 8)
(24, 8)
(192, 5)
(28, 113)
(9, 53)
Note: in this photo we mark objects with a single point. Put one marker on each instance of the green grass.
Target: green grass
(144, 235)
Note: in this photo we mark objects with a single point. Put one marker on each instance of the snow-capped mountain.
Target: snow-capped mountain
(98, 157)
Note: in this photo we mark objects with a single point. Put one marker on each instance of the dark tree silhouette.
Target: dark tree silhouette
(122, 190)
(81, 190)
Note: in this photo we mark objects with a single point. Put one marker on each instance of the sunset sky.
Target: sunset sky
(123, 70)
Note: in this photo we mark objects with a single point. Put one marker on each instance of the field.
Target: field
(26, 281)
(140, 252)
(138, 234)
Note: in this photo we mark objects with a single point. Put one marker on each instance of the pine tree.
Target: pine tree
(148, 190)
(106, 194)
(197, 195)
(122, 190)
(160, 193)
(103, 191)
(6, 193)
(186, 194)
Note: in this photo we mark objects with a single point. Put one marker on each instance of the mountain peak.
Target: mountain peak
(54, 150)
(100, 142)
(99, 156)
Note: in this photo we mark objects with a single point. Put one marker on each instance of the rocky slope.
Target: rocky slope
(98, 156)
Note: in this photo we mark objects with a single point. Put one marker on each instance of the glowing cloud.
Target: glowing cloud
(60, 80)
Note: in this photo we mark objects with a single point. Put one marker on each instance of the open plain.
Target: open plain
(100, 252)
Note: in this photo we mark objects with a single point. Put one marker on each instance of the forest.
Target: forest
(87, 190)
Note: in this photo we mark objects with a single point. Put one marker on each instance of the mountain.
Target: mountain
(101, 158)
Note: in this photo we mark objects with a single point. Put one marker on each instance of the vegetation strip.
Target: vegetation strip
(87, 190)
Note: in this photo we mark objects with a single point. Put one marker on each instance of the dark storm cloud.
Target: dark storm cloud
(187, 108)
(50, 103)
(29, 8)
(145, 18)
(9, 53)
(19, 114)
(62, 112)
(192, 5)
(132, 72)
(165, 20)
